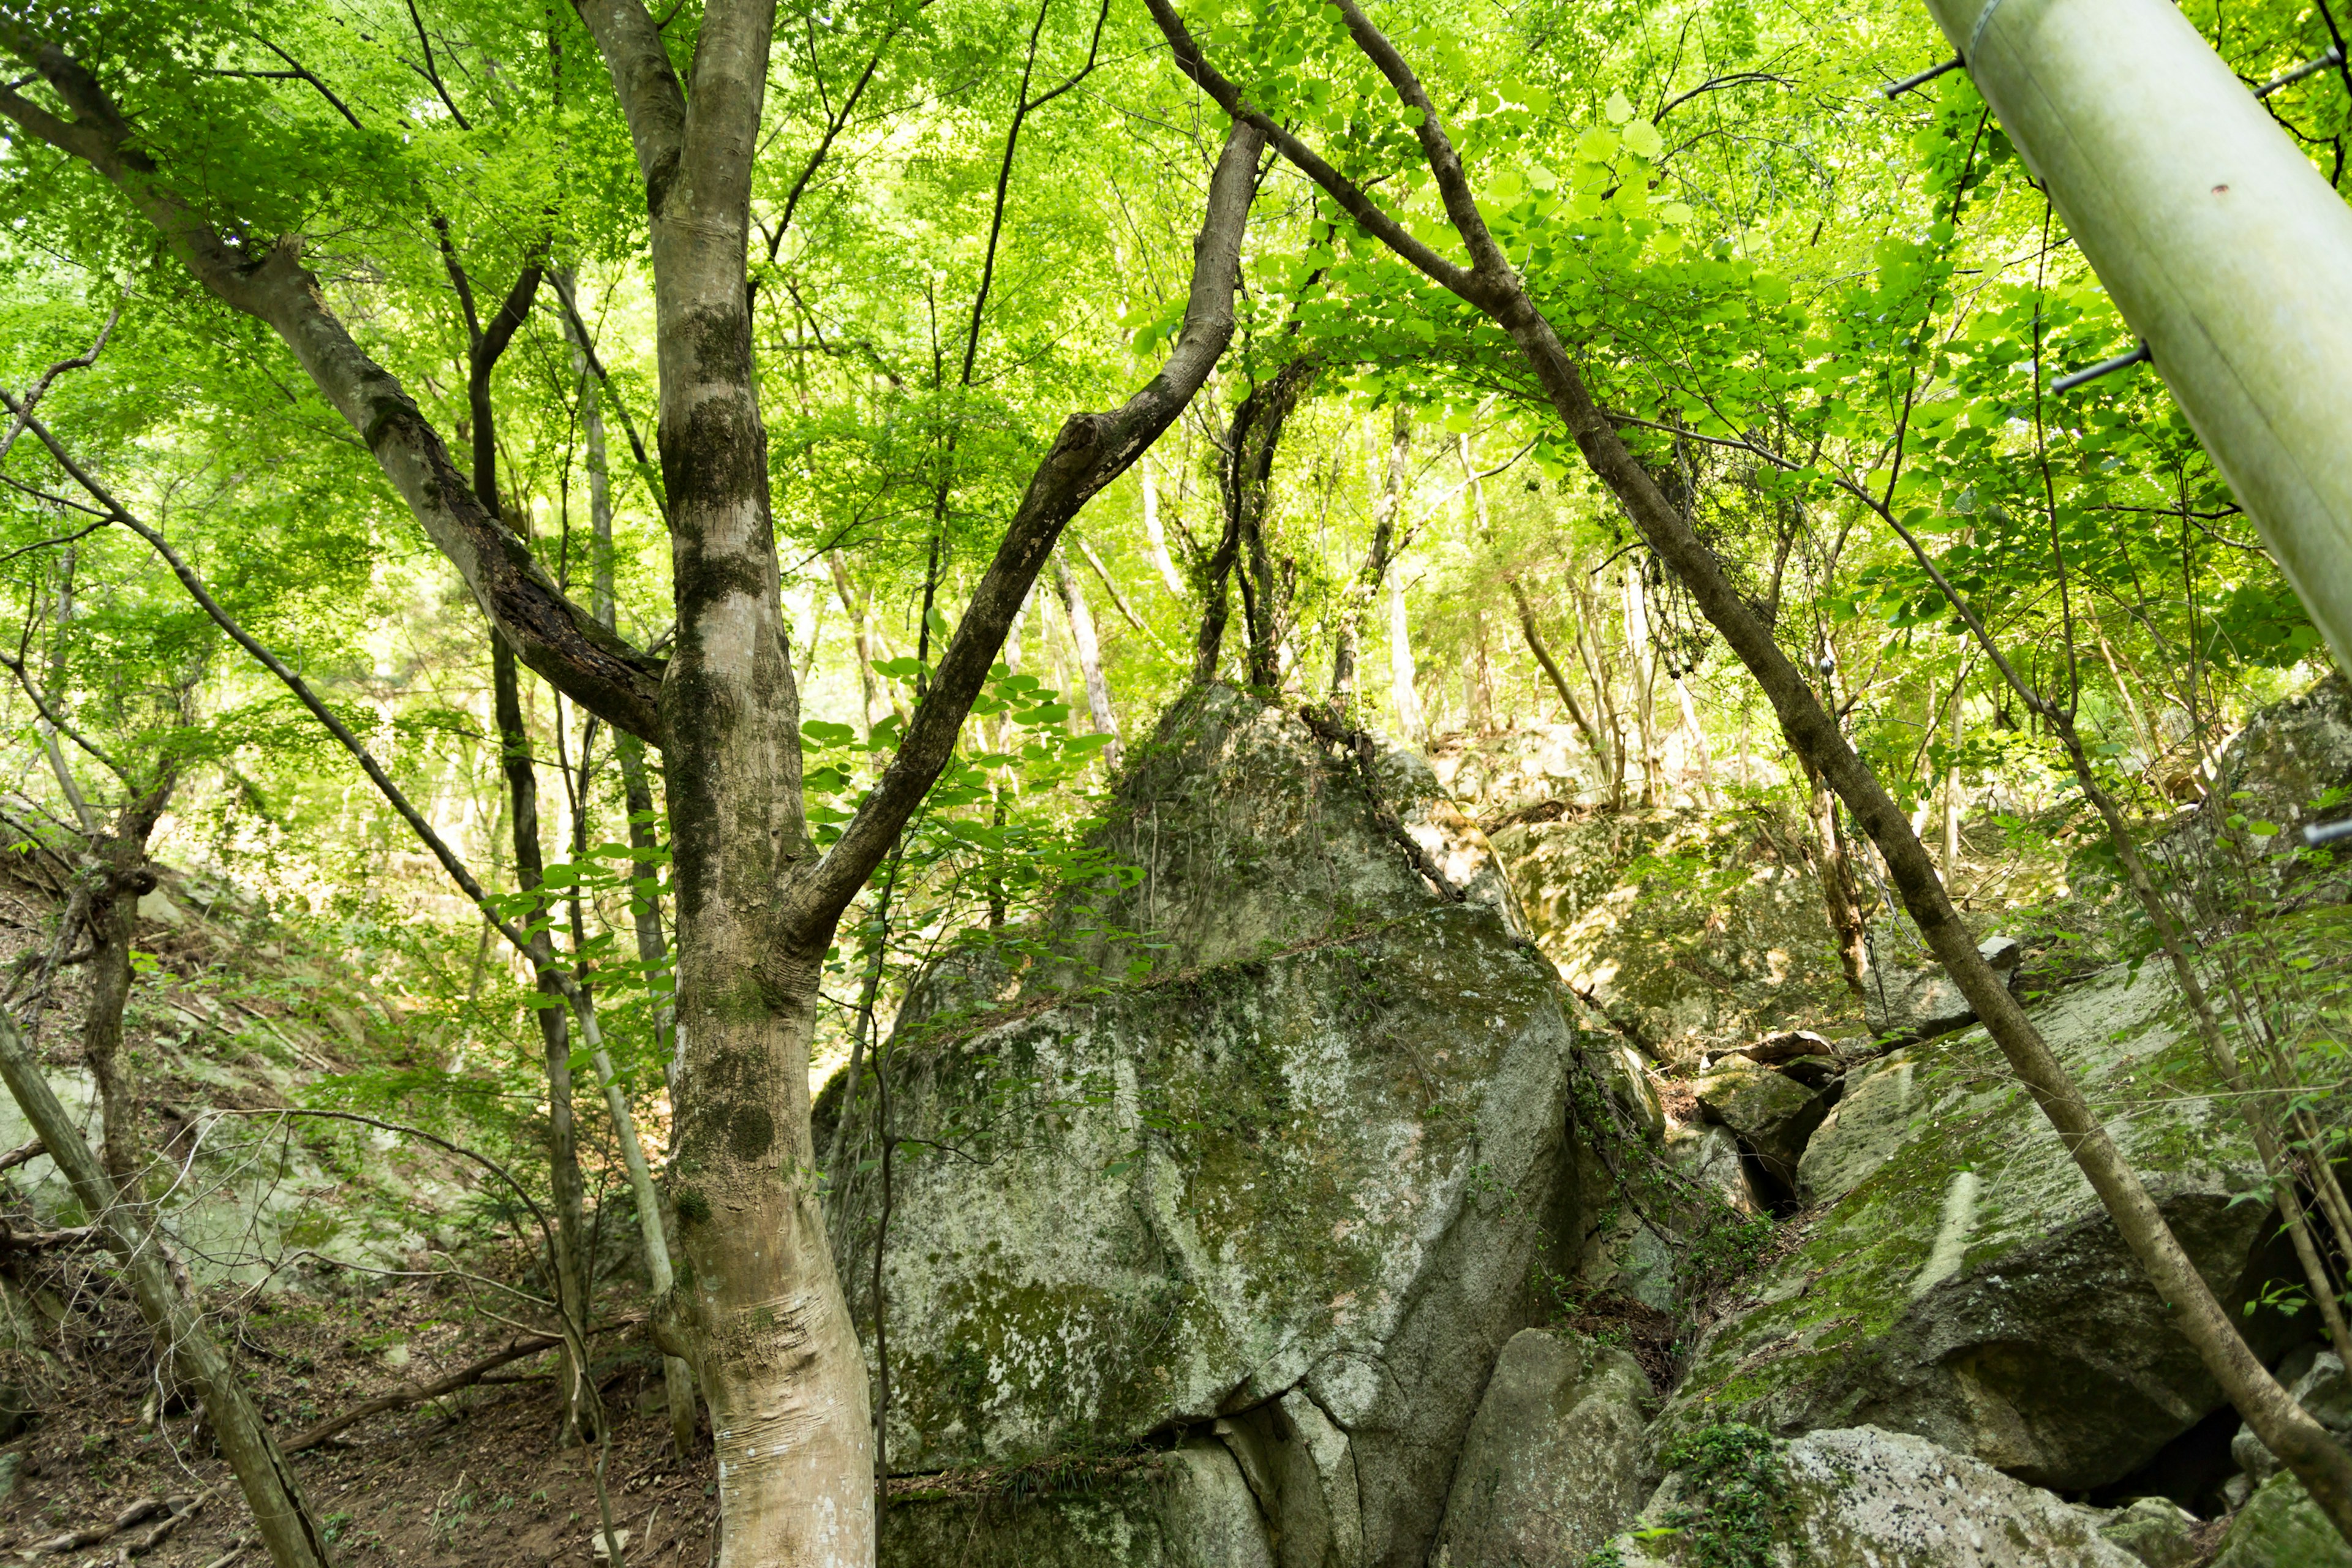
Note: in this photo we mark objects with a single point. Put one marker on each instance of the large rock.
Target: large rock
(1694, 933)
(1552, 1465)
(1189, 1508)
(2322, 1389)
(1864, 1497)
(2281, 1527)
(1966, 1285)
(1294, 1173)
(1772, 1114)
(1904, 1004)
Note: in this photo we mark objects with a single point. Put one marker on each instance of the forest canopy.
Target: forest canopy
(599, 512)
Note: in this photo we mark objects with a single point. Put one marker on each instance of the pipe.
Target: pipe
(2227, 252)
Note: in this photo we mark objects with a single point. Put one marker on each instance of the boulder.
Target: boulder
(1862, 1496)
(1292, 1169)
(1906, 1004)
(1964, 1283)
(2158, 1532)
(1189, 1508)
(1552, 1465)
(2281, 1527)
(2322, 1388)
(1693, 933)
(1772, 1114)
(1710, 1156)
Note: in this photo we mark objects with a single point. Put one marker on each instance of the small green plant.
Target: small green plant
(1739, 1491)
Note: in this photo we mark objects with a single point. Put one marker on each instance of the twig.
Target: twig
(418, 1394)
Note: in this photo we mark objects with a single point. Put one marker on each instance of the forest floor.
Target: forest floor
(476, 1477)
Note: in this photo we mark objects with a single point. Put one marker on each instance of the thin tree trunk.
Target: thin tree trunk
(1537, 645)
(1153, 534)
(554, 1026)
(1952, 806)
(270, 1490)
(1090, 669)
(1366, 587)
(1589, 653)
(856, 607)
(1645, 683)
(1839, 897)
(678, 1378)
(1403, 696)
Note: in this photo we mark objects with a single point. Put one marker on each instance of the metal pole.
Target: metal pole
(2226, 250)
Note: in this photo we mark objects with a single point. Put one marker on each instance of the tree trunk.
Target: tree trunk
(1090, 669)
(678, 1378)
(1589, 652)
(1154, 535)
(855, 604)
(1358, 595)
(270, 1490)
(1839, 897)
(1646, 687)
(569, 1263)
(1403, 696)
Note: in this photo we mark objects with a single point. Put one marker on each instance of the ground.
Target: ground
(477, 1478)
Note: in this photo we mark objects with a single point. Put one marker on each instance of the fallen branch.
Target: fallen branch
(21, 1153)
(13, 1240)
(186, 1509)
(466, 1376)
(138, 1512)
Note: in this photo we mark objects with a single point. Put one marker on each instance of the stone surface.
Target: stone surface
(2159, 1533)
(1966, 1285)
(1710, 1156)
(1861, 1498)
(2322, 1389)
(1694, 934)
(1189, 1508)
(1552, 1465)
(1315, 1148)
(1907, 1003)
(2281, 1527)
(1771, 1113)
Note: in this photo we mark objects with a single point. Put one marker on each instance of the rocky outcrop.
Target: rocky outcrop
(1693, 933)
(1552, 1464)
(1283, 1177)
(1964, 1283)
(1862, 1496)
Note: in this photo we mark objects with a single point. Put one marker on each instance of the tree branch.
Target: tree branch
(560, 640)
(1091, 451)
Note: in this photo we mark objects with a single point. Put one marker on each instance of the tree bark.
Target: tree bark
(1154, 535)
(270, 1490)
(645, 911)
(1090, 669)
(1491, 286)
